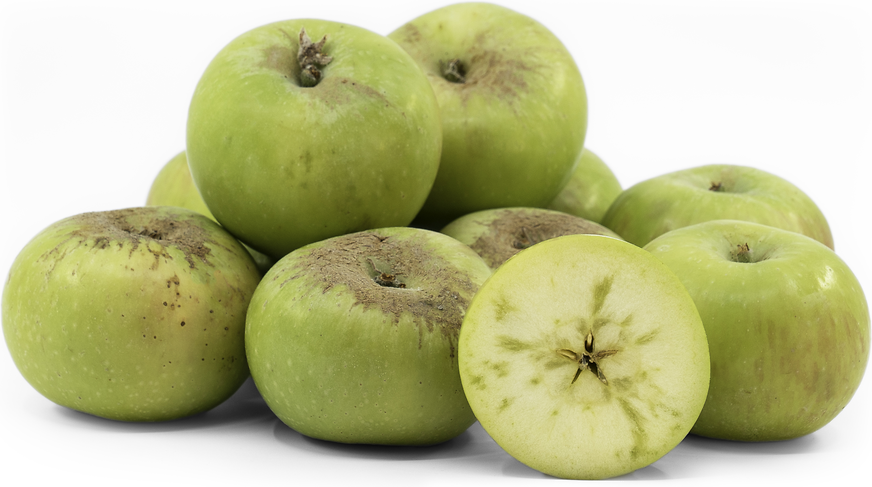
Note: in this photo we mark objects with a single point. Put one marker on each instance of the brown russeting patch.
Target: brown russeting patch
(132, 227)
(396, 275)
(513, 230)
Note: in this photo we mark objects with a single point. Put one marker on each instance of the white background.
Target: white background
(93, 101)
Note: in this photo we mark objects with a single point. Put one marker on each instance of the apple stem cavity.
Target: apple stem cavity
(454, 71)
(311, 59)
(587, 359)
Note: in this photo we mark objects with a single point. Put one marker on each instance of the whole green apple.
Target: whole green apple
(498, 234)
(714, 192)
(787, 325)
(174, 186)
(591, 190)
(513, 104)
(292, 141)
(133, 315)
(584, 357)
(354, 339)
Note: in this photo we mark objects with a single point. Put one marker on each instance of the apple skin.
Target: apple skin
(591, 190)
(132, 315)
(496, 235)
(174, 186)
(339, 357)
(514, 128)
(681, 198)
(788, 332)
(281, 165)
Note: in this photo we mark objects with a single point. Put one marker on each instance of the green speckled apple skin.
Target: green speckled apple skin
(514, 129)
(339, 358)
(590, 191)
(548, 298)
(281, 165)
(653, 207)
(127, 327)
(789, 334)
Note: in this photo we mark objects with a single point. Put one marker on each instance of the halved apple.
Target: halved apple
(584, 357)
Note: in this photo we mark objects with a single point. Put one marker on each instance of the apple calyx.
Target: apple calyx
(311, 59)
(587, 359)
(527, 238)
(133, 227)
(717, 186)
(385, 279)
(742, 254)
(454, 71)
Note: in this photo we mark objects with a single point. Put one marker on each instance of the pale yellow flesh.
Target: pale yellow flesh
(550, 297)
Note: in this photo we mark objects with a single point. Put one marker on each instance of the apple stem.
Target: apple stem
(311, 59)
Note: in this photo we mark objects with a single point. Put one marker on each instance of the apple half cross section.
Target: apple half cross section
(584, 357)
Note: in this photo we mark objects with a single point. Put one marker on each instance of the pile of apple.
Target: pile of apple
(293, 241)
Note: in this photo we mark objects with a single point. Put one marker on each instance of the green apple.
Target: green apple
(174, 186)
(591, 190)
(714, 192)
(513, 103)
(353, 339)
(134, 314)
(498, 234)
(584, 357)
(787, 324)
(291, 141)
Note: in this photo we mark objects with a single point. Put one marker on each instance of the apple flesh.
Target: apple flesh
(787, 325)
(133, 315)
(353, 339)
(714, 192)
(590, 191)
(499, 234)
(282, 163)
(584, 357)
(513, 105)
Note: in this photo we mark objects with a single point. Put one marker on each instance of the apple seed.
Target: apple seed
(587, 359)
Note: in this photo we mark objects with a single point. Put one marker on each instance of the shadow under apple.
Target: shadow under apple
(244, 407)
